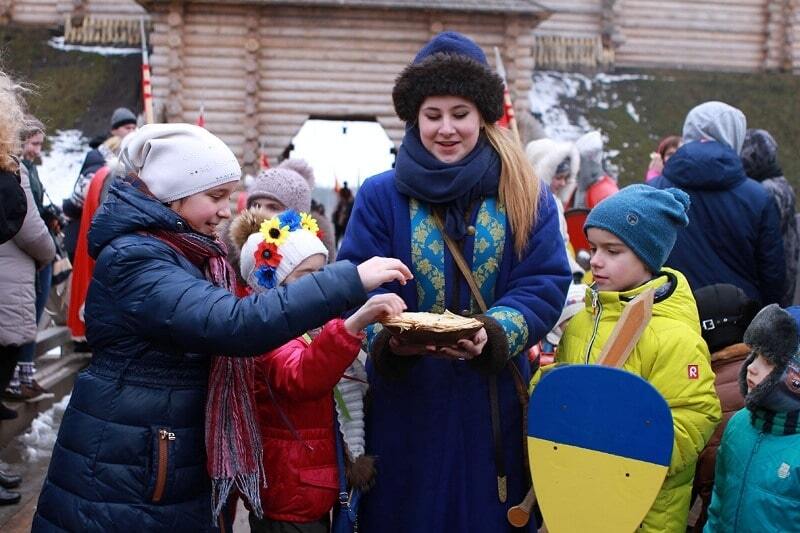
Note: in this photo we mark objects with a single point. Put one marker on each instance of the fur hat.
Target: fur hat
(547, 155)
(178, 160)
(645, 219)
(290, 183)
(725, 312)
(280, 245)
(450, 64)
(775, 335)
(122, 116)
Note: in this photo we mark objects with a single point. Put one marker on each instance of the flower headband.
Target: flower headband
(275, 232)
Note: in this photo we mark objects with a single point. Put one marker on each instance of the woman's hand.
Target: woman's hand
(399, 347)
(466, 348)
(379, 270)
(379, 306)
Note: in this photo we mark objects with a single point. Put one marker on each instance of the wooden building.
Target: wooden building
(260, 69)
(727, 35)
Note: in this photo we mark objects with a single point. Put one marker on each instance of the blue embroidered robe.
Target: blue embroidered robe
(431, 427)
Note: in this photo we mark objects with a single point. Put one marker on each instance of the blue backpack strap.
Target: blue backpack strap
(344, 495)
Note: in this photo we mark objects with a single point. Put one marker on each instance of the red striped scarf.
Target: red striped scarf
(233, 439)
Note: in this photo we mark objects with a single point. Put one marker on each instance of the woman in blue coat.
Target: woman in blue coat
(441, 467)
(166, 382)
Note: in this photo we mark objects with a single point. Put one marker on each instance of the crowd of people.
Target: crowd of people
(240, 356)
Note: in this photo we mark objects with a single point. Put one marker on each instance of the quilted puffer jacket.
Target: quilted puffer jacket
(294, 392)
(130, 450)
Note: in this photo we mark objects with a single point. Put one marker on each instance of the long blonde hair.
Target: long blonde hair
(11, 120)
(519, 186)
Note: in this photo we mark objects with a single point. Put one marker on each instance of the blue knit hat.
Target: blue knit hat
(645, 219)
(451, 42)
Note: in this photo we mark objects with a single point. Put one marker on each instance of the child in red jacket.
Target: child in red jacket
(294, 386)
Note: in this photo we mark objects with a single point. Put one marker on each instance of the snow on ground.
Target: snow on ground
(554, 94)
(38, 441)
(61, 163)
(58, 44)
(551, 90)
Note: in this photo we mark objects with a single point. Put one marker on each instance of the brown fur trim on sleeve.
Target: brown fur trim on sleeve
(495, 354)
(390, 365)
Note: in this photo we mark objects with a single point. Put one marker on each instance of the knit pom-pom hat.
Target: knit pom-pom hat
(774, 334)
(645, 219)
(451, 64)
(290, 183)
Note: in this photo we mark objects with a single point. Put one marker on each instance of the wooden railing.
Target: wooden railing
(103, 30)
(556, 52)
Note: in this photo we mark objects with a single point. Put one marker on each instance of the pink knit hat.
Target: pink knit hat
(290, 183)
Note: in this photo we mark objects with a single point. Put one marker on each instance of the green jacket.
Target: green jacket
(674, 358)
(757, 481)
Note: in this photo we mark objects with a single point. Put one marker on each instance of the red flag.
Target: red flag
(201, 119)
(508, 120)
(508, 110)
(147, 89)
(336, 186)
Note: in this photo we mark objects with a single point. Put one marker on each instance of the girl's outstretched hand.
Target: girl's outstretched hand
(379, 270)
(377, 307)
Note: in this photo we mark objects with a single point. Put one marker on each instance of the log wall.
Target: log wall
(261, 72)
(732, 35)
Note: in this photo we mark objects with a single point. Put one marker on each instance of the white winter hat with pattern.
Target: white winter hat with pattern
(178, 160)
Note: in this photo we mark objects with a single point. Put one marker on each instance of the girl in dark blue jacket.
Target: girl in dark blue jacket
(164, 402)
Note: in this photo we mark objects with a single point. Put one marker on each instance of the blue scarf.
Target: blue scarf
(454, 186)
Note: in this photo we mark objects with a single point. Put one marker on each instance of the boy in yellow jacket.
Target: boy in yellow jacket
(631, 234)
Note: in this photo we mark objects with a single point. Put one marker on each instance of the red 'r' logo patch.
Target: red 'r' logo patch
(693, 371)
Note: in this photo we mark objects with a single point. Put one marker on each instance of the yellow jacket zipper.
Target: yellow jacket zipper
(597, 310)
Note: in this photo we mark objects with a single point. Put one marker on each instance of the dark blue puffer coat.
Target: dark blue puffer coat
(130, 452)
(734, 233)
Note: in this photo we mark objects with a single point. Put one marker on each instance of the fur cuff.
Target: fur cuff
(361, 472)
(390, 365)
(452, 75)
(495, 354)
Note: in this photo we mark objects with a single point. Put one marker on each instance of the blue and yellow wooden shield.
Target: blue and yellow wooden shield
(599, 444)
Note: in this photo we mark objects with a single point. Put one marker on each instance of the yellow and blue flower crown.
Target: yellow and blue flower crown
(275, 231)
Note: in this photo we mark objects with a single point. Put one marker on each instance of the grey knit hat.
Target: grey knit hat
(290, 183)
(122, 116)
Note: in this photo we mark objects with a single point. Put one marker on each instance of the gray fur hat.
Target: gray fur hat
(774, 334)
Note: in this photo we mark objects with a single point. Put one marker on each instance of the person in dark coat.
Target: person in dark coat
(734, 231)
(341, 215)
(12, 205)
(725, 312)
(140, 447)
(429, 421)
(760, 160)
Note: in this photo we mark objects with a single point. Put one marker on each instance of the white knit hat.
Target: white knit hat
(178, 160)
(299, 240)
